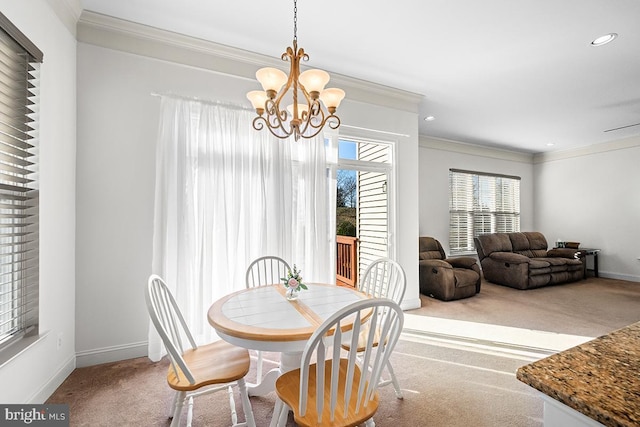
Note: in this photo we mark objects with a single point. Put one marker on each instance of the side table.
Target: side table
(594, 253)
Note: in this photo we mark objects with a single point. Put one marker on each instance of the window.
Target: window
(19, 65)
(481, 203)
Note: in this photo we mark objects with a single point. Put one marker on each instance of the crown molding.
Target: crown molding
(474, 150)
(620, 144)
(68, 11)
(126, 36)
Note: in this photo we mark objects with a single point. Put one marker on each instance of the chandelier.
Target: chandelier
(301, 119)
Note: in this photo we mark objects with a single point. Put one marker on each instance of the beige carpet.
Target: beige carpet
(444, 384)
(591, 307)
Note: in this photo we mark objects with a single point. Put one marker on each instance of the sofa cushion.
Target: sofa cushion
(498, 242)
(539, 253)
(430, 248)
(519, 242)
(430, 255)
(539, 266)
(538, 263)
(563, 264)
(537, 241)
(526, 253)
(509, 257)
(462, 262)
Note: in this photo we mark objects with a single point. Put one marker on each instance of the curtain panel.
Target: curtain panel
(227, 194)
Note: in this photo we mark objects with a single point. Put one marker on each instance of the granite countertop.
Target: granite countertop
(600, 378)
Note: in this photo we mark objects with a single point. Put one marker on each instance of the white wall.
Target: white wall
(117, 129)
(591, 196)
(34, 374)
(404, 213)
(437, 157)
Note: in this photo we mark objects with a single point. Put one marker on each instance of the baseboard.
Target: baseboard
(410, 303)
(54, 382)
(627, 277)
(111, 354)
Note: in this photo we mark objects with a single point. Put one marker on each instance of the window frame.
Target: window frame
(480, 203)
(19, 193)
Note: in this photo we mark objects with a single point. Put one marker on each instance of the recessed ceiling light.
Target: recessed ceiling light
(429, 118)
(602, 40)
(550, 144)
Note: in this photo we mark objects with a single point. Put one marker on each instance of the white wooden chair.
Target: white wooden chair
(338, 389)
(385, 278)
(196, 370)
(266, 270)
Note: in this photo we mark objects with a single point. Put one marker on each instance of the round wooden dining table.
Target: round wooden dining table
(261, 318)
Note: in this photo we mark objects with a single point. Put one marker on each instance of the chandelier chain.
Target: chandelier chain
(295, 20)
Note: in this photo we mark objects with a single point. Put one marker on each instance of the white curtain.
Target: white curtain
(227, 194)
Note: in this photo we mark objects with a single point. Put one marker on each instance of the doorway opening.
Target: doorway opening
(362, 177)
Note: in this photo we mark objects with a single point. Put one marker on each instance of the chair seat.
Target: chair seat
(288, 389)
(215, 363)
(363, 337)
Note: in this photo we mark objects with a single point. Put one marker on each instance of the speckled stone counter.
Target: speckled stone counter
(600, 378)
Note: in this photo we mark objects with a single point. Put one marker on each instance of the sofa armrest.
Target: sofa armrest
(509, 257)
(434, 263)
(564, 253)
(462, 262)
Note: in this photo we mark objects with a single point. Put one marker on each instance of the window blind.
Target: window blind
(481, 203)
(19, 228)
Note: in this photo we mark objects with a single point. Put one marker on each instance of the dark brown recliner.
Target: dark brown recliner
(445, 278)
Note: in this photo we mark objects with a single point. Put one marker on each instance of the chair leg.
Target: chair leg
(246, 403)
(394, 380)
(174, 402)
(370, 423)
(189, 411)
(276, 413)
(177, 411)
(284, 414)
(278, 410)
(232, 405)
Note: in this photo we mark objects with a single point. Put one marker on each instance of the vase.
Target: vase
(292, 294)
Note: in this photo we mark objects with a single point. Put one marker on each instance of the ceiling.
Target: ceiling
(518, 75)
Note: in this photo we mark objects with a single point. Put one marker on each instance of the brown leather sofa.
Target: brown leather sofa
(521, 260)
(446, 278)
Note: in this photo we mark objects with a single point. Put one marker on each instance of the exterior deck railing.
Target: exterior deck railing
(347, 261)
